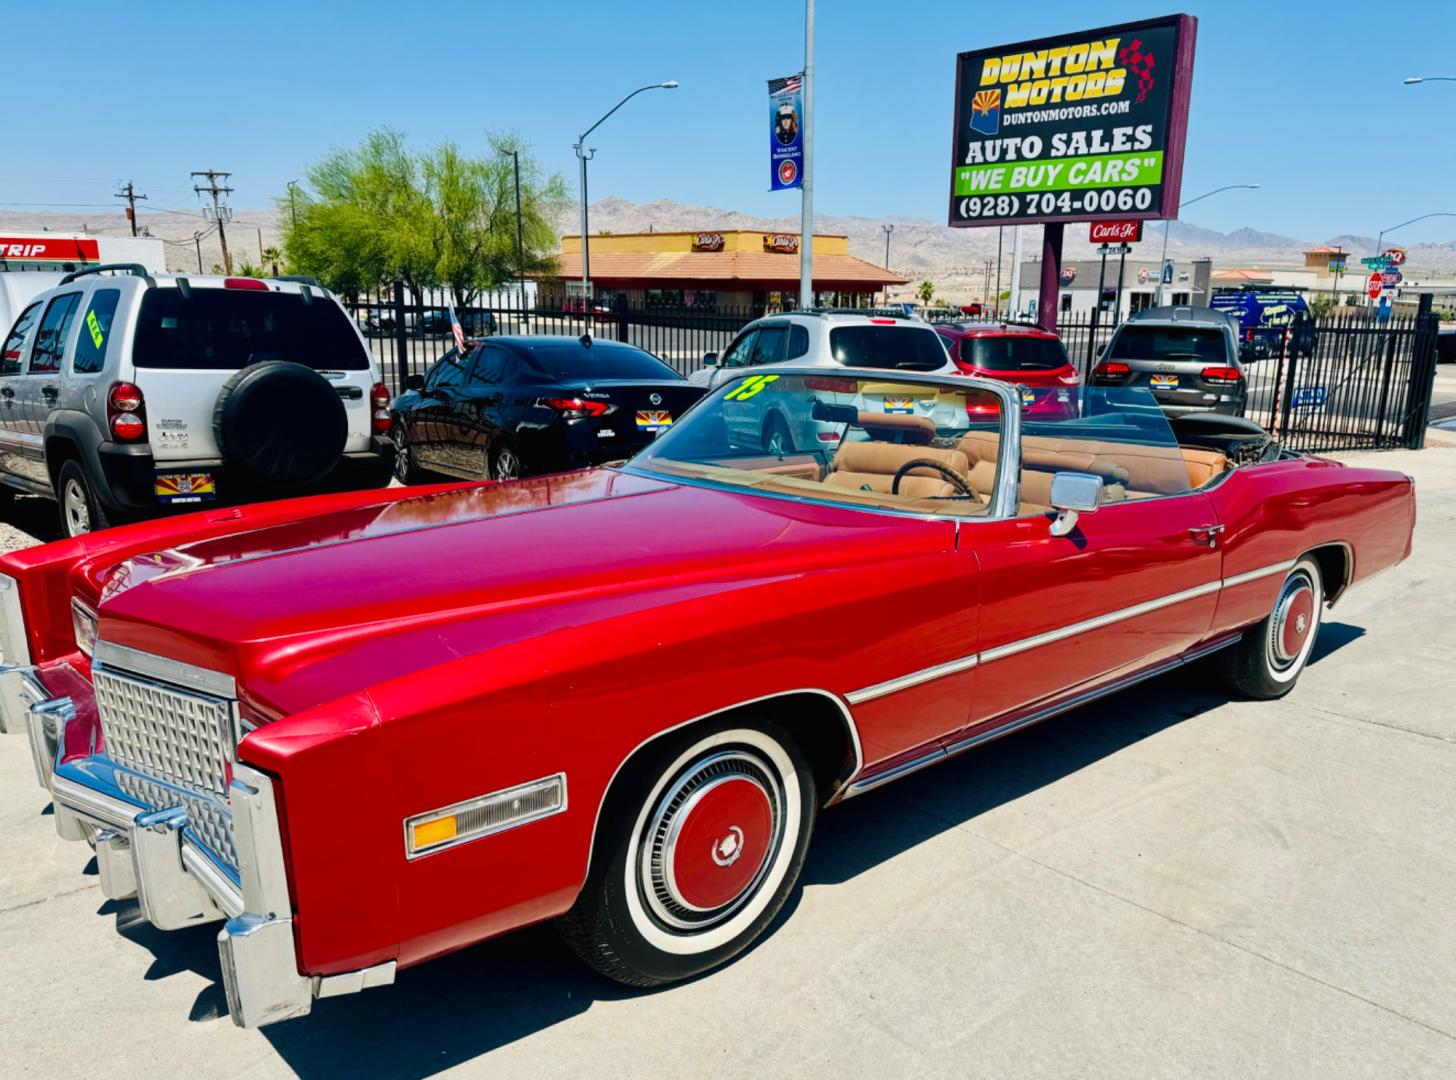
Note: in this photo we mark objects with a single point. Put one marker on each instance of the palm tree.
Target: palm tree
(272, 256)
(926, 291)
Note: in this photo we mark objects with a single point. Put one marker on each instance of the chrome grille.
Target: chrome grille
(180, 736)
(208, 820)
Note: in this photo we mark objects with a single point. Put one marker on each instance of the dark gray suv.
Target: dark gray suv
(1187, 356)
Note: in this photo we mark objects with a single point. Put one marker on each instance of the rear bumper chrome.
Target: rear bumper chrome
(144, 852)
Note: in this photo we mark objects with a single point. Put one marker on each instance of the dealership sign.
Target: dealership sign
(31, 249)
(1116, 232)
(1078, 126)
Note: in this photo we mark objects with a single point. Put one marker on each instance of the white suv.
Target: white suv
(832, 339)
(125, 393)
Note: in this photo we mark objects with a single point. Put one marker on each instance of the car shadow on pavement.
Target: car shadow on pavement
(454, 1009)
(34, 516)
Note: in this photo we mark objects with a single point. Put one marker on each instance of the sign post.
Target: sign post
(1077, 127)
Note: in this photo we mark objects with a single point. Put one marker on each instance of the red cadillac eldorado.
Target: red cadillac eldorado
(363, 730)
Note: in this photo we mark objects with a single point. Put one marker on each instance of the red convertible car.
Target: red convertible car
(363, 730)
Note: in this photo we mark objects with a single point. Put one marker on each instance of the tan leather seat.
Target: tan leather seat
(872, 466)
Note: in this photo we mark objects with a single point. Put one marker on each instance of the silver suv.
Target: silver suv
(832, 338)
(829, 339)
(124, 394)
(1187, 356)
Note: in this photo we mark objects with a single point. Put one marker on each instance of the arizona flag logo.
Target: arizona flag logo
(986, 112)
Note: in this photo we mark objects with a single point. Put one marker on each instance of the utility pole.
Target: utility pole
(1000, 236)
(220, 214)
(197, 239)
(806, 191)
(888, 229)
(520, 244)
(129, 194)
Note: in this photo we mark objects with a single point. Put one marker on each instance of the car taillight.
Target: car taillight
(1068, 378)
(379, 403)
(828, 436)
(576, 408)
(831, 386)
(1221, 374)
(126, 412)
(245, 283)
(1248, 335)
(1111, 367)
(883, 322)
(977, 409)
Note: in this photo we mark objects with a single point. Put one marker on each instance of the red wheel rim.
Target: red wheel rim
(718, 843)
(1294, 621)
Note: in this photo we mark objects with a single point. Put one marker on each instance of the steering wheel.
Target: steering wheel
(951, 477)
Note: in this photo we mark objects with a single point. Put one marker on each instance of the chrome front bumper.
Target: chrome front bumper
(143, 852)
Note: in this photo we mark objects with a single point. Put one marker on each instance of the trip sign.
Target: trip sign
(1078, 126)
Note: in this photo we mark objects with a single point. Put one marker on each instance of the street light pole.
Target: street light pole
(1163, 261)
(806, 188)
(584, 155)
(1413, 79)
(888, 229)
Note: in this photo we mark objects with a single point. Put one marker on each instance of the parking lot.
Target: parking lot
(1169, 883)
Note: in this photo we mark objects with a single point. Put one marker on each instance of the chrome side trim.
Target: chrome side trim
(1065, 705)
(915, 678)
(216, 683)
(1096, 623)
(14, 646)
(1255, 575)
(1011, 648)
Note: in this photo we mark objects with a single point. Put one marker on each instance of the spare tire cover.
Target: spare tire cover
(282, 423)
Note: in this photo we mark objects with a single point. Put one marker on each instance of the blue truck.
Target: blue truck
(1265, 316)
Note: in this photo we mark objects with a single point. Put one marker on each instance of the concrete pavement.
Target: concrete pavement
(1168, 883)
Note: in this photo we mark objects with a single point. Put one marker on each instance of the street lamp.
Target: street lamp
(585, 155)
(1164, 260)
(888, 229)
(1379, 240)
(1413, 79)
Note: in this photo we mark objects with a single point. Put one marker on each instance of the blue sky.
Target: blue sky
(1304, 99)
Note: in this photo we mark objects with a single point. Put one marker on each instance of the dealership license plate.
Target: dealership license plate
(1027, 398)
(899, 405)
(185, 487)
(653, 420)
(1165, 382)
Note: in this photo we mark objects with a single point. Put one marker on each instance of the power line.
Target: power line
(220, 213)
(129, 194)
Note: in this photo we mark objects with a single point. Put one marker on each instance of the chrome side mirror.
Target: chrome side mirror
(1074, 493)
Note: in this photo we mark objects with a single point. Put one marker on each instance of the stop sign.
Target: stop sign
(1374, 286)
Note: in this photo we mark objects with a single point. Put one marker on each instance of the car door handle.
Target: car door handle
(1206, 534)
(49, 392)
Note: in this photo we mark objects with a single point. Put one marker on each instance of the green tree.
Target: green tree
(444, 217)
(926, 291)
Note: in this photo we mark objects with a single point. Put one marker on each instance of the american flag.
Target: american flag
(792, 82)
(457, 330)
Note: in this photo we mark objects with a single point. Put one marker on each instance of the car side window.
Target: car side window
(798, 342)
(95, 332)
(736, 355)
(446, 372)
(769, 348)
(10, 353)
(50, 339)
(492, 365)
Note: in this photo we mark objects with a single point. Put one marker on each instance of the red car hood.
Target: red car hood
(307, 611)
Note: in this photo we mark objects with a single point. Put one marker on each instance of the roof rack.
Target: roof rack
(135, 269)
(879, 313)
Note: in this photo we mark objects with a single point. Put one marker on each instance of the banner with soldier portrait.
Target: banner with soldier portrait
(786, 139)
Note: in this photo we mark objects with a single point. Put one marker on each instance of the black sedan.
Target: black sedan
(513, 406)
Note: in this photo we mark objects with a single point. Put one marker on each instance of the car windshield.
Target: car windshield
(572, 360)
(924, 446)
(228, 329)
(1170, 343)
(908, 348)
(1019, 353)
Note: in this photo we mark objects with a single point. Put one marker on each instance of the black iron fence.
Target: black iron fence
(1361, 384)
(407, 334)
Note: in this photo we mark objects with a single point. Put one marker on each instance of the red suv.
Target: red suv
(1021, 353)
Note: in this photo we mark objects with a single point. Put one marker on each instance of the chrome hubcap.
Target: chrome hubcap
(78, 514)
(710, 840)
(1294, 620)
(506, 465)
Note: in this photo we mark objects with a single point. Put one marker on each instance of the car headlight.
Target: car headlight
(83, 621)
